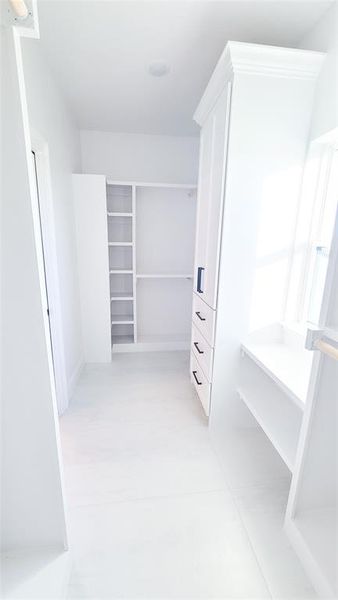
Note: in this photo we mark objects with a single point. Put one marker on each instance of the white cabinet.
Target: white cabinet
(210, 198)
(92, 254)
(135, 244)
(254, 117)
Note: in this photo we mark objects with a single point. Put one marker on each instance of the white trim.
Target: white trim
(40, 148)
(256, 59)
(187, 186)
(18, 33)
(308, 561)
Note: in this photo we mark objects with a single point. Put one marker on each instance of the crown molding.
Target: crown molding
(257, 59)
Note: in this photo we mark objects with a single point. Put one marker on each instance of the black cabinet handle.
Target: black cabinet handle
(199, 316)
(198, 382)
(197, 348)
(199, 279)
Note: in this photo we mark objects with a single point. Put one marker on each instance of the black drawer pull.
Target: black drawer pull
(199, 279)
(198, 382)
(197, 348)
(199, 316)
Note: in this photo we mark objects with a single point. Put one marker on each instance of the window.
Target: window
(314, 234)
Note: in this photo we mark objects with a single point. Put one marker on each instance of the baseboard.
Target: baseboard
(74, 378)
(309, 563)
(151, 347)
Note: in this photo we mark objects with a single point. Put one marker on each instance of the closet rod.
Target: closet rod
(327, 349)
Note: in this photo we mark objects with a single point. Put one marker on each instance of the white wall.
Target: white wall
(139, 157)
(51, 119)
(324, 37)
(31, 488)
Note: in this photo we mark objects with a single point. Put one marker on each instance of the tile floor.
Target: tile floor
(152, 513)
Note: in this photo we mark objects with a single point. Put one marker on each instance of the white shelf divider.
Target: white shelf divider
(122, 320)
(112, 244)
(119, 214)
(121, 296)
(120, 226)
(134, 262)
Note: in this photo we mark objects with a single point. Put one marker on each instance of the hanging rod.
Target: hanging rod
(326, 348)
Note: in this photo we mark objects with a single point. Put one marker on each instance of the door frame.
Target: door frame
(45, 199)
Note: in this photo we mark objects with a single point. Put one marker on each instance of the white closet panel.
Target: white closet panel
(164, 310)
(92, 241)
(165, 230)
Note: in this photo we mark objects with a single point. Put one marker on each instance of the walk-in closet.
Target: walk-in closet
(170, 216)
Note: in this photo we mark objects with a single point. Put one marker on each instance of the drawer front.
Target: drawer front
(202, 385)
(202, 351)
(203, 317)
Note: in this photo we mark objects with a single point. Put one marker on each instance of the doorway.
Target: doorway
(43, 189)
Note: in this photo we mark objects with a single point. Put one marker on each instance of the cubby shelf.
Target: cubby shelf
(122, 320)
(276, 360)
(121, 296)
(120, 244)
(123, 339)
(119, 214)
(121, 271)
(285, 441)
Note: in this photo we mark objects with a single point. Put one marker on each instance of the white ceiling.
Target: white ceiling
(100, 51)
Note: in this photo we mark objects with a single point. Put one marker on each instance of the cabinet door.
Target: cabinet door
(214, 137)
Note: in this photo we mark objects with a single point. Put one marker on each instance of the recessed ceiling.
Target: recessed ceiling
(100, 51)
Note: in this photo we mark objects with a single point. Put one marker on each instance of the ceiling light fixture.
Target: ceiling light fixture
(20, 9)
(158, 68)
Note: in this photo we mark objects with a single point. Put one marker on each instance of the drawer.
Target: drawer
(202, 351)
(203, 317)
(202, 385)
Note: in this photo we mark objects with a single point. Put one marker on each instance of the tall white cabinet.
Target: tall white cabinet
(254, 118)
(135, 245)
(92, 256)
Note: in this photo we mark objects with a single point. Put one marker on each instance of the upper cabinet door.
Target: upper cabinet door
(213, 151)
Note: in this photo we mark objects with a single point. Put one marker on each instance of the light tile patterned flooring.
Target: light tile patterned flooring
(152, 514)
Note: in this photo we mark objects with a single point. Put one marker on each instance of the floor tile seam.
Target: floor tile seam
(257, 485)
(245, 529)
(152, 498)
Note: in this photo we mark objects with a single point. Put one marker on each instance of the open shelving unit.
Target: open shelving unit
(273, 383)
(151, 246)
(120, 217)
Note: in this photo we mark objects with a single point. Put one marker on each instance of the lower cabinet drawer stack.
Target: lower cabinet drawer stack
(202, 351)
